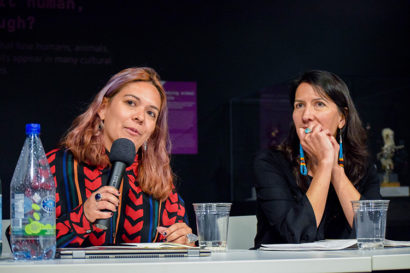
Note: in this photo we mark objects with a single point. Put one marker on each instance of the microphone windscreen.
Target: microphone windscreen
(123, 150)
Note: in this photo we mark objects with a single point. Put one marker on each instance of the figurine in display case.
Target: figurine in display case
(386, 155)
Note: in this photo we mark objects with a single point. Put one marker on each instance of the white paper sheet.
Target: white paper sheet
(327, 245)
(391, 243)
(319, 245)
(155, 245)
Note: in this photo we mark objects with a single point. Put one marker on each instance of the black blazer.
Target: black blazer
(285, 214)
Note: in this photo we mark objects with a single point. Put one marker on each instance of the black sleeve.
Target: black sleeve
(289, 214)
(369, 186)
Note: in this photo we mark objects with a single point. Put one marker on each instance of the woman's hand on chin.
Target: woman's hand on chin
(317, 145)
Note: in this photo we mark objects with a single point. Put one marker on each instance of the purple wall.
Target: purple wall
(182, 118)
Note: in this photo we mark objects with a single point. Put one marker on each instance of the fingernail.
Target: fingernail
(161, 230)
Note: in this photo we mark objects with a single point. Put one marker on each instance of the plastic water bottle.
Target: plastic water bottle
(32, 202)
(1, 220)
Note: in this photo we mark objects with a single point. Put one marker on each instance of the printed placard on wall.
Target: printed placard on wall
(182, 116)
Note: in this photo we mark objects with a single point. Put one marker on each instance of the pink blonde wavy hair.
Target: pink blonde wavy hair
(85, 136)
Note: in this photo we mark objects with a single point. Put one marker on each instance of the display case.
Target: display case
(256, 122)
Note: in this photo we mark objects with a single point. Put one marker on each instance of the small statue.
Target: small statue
(387, 153)
(274, 136)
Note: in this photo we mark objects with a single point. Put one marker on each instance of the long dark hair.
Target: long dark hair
(353, 134)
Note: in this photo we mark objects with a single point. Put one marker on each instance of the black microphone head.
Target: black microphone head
(122, 150)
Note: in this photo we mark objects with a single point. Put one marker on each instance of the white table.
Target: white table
(236, 261)
(231, 261)
(391, 258)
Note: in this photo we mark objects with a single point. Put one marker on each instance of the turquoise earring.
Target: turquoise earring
(303, 169)
(341, 159)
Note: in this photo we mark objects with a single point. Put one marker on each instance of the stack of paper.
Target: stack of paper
(328, 245)
(396, 243)
(319, 245)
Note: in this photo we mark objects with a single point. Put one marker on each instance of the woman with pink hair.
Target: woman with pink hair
(146, 208)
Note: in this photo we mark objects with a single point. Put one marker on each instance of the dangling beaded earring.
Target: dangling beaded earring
(144, 146)
(341, 160)
(303, 169)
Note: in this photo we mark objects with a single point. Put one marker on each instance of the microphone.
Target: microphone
(122, 155)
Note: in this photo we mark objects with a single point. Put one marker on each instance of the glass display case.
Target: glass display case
(256, 122)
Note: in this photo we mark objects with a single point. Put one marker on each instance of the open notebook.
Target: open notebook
(142, 250)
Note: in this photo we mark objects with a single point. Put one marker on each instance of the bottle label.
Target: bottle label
(41, 220)
(48, 204)
(37, 229)
(1, 219)
(17, 225)
(19, 205)
(18, 215)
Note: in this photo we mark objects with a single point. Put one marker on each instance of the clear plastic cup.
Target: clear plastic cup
(370, 222)
(212, 220)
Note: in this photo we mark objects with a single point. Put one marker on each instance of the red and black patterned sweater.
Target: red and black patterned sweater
(136, 219)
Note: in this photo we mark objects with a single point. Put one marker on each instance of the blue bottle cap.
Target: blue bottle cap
(32, 129)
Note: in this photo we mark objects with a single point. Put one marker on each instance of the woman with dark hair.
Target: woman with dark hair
(146, 208)
(305, 185)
